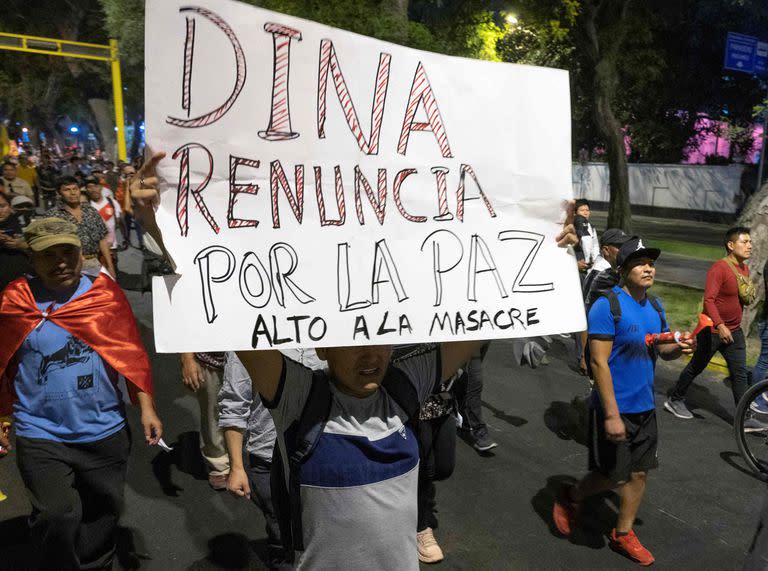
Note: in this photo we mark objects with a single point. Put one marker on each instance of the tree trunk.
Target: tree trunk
(755, 217)
(604, 25)
(106, 124)
(619, 211)
(401, 7)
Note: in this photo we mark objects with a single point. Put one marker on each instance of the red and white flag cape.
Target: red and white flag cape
(101, 317)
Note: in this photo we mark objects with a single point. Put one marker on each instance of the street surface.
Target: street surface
(700, 509)
(674, 268)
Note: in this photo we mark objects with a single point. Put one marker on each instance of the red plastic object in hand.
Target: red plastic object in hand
(663, 338)
(704, 322)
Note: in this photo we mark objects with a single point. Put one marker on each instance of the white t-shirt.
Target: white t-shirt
(107, 193)
(109, 210)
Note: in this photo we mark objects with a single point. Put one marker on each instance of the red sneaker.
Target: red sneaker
(629, 546)
(564, 510)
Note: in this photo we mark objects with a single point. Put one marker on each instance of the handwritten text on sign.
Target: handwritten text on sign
(328, 189)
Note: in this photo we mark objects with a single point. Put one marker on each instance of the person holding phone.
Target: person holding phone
(13, 258)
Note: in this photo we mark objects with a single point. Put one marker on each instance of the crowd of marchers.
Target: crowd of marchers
(335, 446)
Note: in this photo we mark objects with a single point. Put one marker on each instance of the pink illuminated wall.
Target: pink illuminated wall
(713, 145)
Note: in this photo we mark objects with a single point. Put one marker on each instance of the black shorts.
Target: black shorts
(617, 460)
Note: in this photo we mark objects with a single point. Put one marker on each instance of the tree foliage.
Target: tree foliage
(48, 91)
(666, 68)
(650, 68)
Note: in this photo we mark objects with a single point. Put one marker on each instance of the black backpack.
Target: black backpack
(300, 441)
(596, 284)
(615, 308)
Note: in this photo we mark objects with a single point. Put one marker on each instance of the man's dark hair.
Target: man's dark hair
(6, 163)
(65, 180)
(581, 202)
(733, 233)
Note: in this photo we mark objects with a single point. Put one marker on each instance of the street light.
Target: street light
(74, 129)
(512, 20)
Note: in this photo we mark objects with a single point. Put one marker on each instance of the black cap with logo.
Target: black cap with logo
(633, 249)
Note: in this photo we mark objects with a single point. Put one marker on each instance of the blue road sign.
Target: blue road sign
(746, 54)
(761, 58)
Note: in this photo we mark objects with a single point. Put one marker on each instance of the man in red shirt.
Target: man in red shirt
(722, 304)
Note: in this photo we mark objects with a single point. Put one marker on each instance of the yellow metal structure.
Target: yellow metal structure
(82, 50)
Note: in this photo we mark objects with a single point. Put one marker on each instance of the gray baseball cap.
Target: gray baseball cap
(614, 237)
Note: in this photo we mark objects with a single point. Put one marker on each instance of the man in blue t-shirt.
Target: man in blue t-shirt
(622, 427)
(72, 439)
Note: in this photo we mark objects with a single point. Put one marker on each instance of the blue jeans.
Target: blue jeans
(761, 367)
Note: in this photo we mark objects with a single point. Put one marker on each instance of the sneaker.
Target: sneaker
(759, 405)
(565, 510)
(751, 424)
(217, 482)
(629, 546)
(429, 550)
(483, 441)
(678, 408)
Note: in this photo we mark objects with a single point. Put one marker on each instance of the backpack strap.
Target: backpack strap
(312, 421)
(300, 441)
(402, 391)
(614, 305)
(654, 301)
(615, 308)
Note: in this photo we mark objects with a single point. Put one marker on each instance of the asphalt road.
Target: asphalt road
(650, 228)
(700, 509)
(674, 268)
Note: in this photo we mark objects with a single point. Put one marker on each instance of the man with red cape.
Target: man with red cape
(68, 341)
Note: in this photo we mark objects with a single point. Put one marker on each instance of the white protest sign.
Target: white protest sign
(327, 189)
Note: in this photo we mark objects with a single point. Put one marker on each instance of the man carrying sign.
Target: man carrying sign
(358, 485)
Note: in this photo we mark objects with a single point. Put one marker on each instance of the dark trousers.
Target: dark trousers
(261, 495)
(470, 396)
(707, 344)
(76, 491)
(437, 451)
(132, 224)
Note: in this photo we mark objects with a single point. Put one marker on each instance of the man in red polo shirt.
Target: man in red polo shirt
(722, 304)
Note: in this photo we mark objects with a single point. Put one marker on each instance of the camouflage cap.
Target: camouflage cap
(43, 233)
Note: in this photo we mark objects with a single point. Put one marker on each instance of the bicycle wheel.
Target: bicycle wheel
(750, 424)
